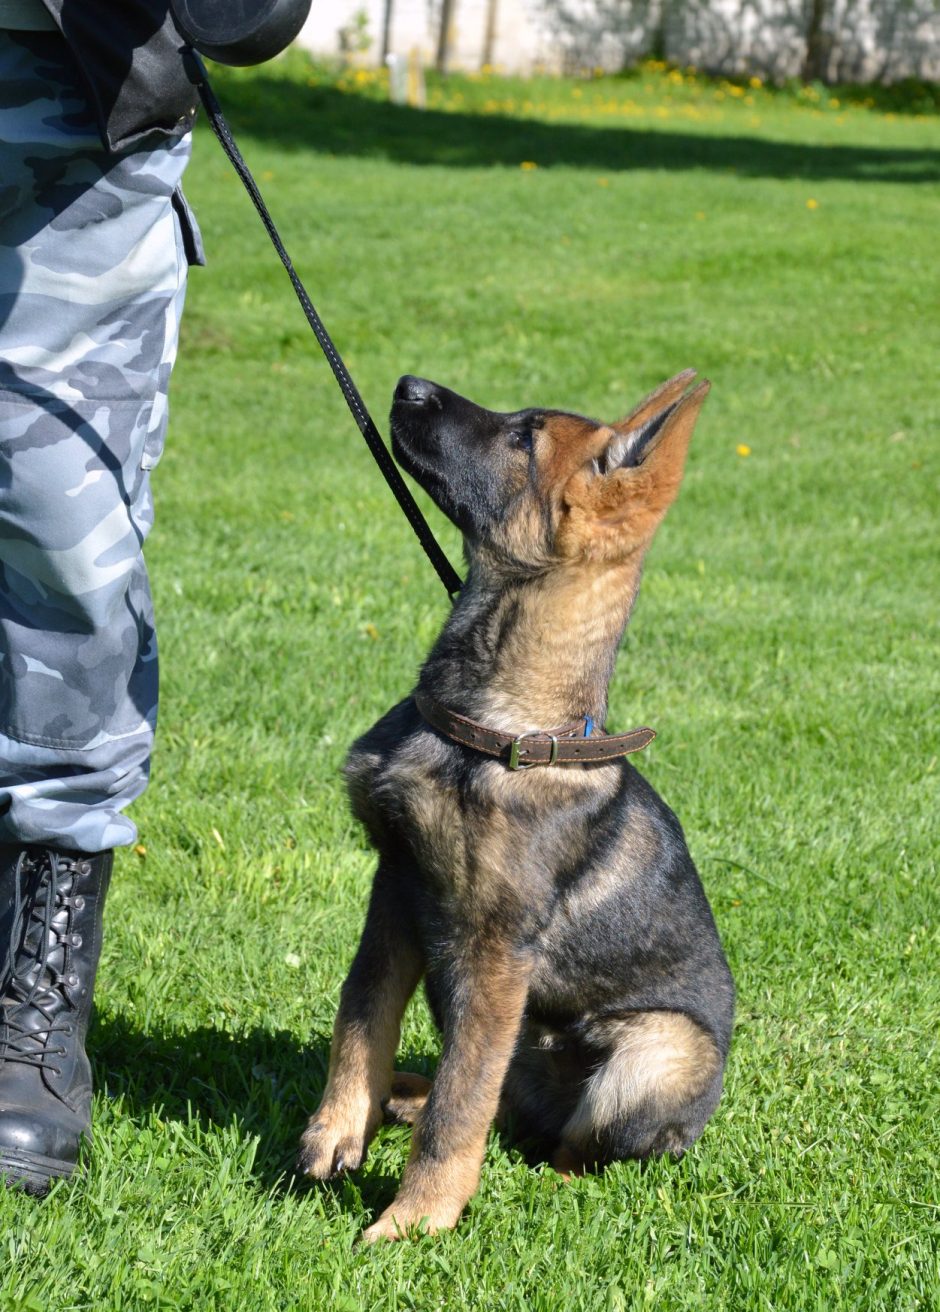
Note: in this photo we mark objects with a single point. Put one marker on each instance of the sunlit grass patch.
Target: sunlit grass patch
(783, 646)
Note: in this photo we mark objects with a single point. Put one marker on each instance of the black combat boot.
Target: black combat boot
(51, 903)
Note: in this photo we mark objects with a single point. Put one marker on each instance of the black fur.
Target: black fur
(569, 953)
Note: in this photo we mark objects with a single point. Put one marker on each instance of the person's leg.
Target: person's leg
(92, 278)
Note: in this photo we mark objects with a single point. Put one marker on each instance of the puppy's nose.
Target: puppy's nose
(416, 391)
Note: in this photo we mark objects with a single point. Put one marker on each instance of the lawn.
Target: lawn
(567, 244)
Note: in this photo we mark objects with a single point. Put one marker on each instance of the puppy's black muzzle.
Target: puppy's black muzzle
(457, 451)
(418, 393)
(417, 409)
(427, 417)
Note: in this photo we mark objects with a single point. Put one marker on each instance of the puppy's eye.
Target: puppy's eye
(521, 438)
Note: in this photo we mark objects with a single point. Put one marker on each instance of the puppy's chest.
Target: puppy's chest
(475, 831)
(463, 841)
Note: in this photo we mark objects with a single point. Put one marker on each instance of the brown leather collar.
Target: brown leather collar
(538, 747)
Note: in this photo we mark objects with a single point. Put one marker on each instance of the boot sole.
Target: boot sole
(31, 1172)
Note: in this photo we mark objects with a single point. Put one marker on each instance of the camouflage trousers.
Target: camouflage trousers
(93, 262)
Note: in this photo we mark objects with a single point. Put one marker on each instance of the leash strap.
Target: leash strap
(445, 571)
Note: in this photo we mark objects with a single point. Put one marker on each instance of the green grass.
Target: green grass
(784, 646)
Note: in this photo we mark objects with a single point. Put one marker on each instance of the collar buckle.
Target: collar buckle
(516, 744)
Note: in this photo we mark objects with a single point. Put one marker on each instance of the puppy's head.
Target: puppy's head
(536, 487)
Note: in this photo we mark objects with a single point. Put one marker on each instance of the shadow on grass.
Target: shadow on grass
(264, 1081)
(325, 120)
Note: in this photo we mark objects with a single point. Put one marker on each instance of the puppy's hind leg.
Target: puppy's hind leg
(652, 1093)
(406, 1101)
(383, 976)
(542, 1086)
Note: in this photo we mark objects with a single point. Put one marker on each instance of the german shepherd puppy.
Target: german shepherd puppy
(568, 951)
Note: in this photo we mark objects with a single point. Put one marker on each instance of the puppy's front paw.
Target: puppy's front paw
(384, 1228)
(334, 1142)
(406, 1220)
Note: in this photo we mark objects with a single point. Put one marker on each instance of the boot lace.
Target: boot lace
(35, 1002)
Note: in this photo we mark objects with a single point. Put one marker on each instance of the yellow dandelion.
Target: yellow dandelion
(370, 631)
(603, 182)
(700, 214)
(755, 82)
(812, 204)
(140, 849)
(528, 165)
(743, 449)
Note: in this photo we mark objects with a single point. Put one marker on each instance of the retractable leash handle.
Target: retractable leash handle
(445, 570)
(240, 32)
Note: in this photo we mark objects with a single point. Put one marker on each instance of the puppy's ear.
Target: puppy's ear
(660, 397)
(617, 504)
(657, 447)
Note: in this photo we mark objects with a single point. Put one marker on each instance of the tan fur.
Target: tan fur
(565, 444)
(642, 842)
(566, 630)
(437, 817)
(406, 1101)
(467, 1085)
(659, 1057)
(433, 1199)
(608, 518)
(661, 396)
(359, 1077)
(472, 856)
(576, 534)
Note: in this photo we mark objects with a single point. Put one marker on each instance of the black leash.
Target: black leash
(445, 570)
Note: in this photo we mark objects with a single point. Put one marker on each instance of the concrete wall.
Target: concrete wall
(863, 40)
(521, 42)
